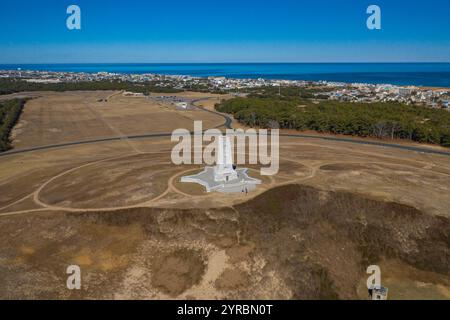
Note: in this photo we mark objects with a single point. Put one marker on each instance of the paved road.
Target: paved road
(228, 124)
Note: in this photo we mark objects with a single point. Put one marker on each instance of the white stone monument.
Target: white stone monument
(224, 171)
(224, 177)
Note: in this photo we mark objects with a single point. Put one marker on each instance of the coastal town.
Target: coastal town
(349, 92)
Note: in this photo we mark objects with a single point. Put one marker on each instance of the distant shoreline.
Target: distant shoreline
(428, 75)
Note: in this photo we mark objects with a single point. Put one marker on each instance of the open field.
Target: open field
(68, 116)
(118, 210)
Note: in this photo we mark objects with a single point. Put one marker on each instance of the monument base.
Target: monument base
(242, 183)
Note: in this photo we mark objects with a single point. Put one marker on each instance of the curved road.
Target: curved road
(228, 124)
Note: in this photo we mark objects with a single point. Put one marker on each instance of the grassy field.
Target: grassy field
(72, 116)
(119, 211)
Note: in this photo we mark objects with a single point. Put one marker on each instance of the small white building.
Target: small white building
(379, 293)
(181, 105)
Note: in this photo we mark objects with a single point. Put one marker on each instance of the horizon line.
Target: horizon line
(290, 62)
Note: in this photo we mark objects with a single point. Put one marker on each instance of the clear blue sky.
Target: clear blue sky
(34, 31)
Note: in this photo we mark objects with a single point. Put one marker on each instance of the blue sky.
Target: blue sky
(224, 31)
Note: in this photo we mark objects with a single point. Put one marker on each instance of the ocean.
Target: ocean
(417, 74)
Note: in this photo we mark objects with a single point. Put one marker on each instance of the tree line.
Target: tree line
(13, 85)
(380, 120)
(10, 111)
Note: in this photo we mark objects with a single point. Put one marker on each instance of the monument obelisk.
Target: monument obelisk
(224, 170)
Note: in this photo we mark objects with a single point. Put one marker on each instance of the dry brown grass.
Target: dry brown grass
(72, 116)
(291, 242)
(333, 208)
